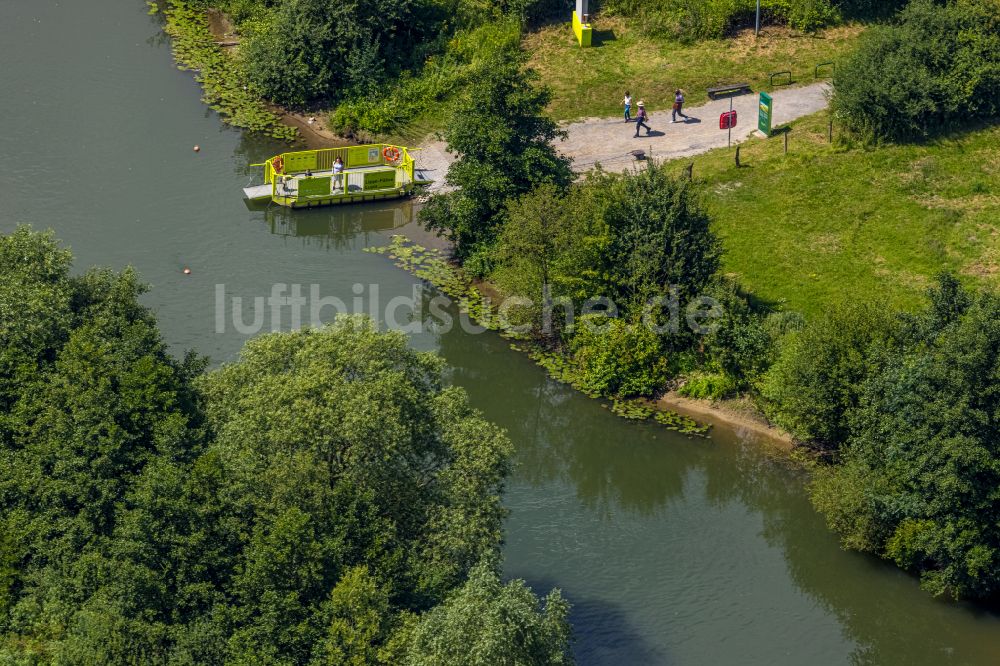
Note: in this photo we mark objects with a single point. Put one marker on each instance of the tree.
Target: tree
(542, 251)
(504, 147)
(486, 623)
(816, 382)
(937, 68)
(305, 504)
(308, 51)
(920, 472)
(342, 447)
(659, 239)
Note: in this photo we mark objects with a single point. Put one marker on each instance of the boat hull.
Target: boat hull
(341, 199)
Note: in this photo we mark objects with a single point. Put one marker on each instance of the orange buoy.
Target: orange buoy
(391, 153)
(197, 149)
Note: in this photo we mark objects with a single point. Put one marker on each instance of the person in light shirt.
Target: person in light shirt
(678, 105)
(338, 173)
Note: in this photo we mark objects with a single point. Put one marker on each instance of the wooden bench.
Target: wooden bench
(727, 91)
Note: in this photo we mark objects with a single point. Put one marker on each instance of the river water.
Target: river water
(672, 550)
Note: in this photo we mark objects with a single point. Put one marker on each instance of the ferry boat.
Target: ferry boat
(310, 178)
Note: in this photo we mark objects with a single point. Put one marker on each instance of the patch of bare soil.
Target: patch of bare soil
(735, 416)
(222, 29)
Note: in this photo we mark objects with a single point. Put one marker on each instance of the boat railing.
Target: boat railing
(357, 160)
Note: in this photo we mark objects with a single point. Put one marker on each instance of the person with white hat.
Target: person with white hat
(640, 118)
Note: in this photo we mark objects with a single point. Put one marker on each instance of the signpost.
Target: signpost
(581, 23)
(764, 115)
(727, 121)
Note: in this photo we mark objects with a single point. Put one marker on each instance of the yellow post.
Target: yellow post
(581, 30)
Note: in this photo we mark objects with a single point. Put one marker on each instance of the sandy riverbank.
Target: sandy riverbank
(729, 415)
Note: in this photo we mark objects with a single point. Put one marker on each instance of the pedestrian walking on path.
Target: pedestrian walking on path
(678, 105)
(640, 119)
(627, 102)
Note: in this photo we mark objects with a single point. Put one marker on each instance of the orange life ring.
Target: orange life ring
(391, 154)
(278, 164)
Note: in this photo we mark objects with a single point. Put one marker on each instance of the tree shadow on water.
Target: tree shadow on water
(602, 632)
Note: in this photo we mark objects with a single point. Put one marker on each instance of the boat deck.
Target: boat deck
(352, 179)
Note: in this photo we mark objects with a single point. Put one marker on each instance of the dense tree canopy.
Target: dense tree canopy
(312, 502)
(816, 381)
(634, 246)
(920, 478)
(307, 51)
(504, 148)
(935, 69)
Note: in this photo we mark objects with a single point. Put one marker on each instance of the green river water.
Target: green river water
(672, 550)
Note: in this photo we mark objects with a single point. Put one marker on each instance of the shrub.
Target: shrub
(659, 238)
(816, 381)
(462, 59)
(708, 386)
(740, 343)
(307, 51)
(711, 19)
(919, 473)
(937, 68)
(618, 358)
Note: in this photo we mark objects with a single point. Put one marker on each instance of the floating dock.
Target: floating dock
(309, 178)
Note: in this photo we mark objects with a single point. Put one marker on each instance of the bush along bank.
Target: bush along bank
(219, 74)
(432, 266)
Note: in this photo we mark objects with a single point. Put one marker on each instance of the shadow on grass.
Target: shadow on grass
(599, 38)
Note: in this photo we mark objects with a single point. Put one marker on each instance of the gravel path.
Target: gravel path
(610, 140)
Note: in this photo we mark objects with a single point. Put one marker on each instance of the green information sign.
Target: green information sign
(314, 187)
(380, 180)
(766, 107)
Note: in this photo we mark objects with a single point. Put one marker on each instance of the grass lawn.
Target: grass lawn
(828, 223)
(591, 82)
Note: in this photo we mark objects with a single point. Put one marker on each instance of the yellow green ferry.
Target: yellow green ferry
(310, 178)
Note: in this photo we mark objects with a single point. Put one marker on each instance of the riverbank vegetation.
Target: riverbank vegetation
(223, 86)
(398, 70)
(885, 372)
(909, 403)
(325, 499)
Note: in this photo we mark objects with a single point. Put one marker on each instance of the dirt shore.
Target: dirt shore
(735, 417)
(313, 129)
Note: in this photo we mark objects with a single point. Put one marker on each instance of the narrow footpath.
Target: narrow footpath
(610, 141)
